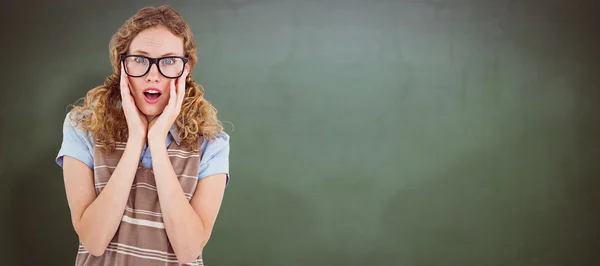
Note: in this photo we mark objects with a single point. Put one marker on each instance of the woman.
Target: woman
(144, 158)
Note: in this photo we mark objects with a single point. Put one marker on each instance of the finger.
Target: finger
(123, 82)
(172, 94)
(122, 76)
(181, 80)
(181, 89)
(126, 93)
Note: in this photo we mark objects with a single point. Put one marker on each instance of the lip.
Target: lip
(151, 101)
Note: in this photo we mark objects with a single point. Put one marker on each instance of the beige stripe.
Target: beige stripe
(188, 176)
(184, 156)
(140, 256)
(181, 151)
(143, 237)
(150, 187)
(146, 251)
(104, 166)
(143, 222)
(143, 214)
(157, 214)
(144, 185)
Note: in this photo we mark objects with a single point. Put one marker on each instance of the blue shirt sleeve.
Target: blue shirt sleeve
(76, 143)
(215, 157)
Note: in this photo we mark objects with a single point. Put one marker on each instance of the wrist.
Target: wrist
(156, 141)
(136, 142)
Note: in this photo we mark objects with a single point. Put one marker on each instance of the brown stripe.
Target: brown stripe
(145, 175)
(188, 184)
(142, 214)
(144, 199)
(143, 237)
(136, 251)
(121, 256)
(185, 166)
(104, 158)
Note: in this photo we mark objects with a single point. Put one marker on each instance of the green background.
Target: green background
(362, 132)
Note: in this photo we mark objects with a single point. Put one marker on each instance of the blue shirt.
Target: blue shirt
(79, 144)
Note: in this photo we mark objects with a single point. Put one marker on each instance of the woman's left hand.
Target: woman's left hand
(159, 126)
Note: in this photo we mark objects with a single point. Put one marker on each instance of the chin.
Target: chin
(151, 110)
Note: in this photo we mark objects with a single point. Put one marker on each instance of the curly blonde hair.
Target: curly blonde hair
(100, 113)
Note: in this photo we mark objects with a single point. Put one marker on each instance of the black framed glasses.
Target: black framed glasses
(168, 66)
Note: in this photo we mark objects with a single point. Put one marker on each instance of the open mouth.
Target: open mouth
(151, 95)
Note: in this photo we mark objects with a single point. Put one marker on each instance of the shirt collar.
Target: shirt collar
(174, 134)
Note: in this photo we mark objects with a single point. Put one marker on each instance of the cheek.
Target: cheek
(135, 85)
(165, 86)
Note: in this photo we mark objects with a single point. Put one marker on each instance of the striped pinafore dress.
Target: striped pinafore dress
(141, 239)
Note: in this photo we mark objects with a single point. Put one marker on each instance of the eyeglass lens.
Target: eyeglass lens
(169, 67)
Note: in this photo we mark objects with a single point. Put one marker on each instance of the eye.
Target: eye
(140, 60)
(168, 61)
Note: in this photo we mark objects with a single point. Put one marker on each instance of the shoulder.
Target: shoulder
(73, 122)
(76, 141)
(214, 156)
(219, 143)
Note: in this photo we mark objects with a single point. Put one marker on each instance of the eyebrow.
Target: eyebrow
(146, 53)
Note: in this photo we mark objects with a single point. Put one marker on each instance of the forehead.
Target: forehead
(157, 41)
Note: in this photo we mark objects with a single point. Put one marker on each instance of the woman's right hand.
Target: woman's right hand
(137, 123)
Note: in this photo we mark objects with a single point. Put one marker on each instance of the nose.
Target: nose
(153, 75)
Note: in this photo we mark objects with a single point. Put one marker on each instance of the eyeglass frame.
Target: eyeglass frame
(152, 62)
